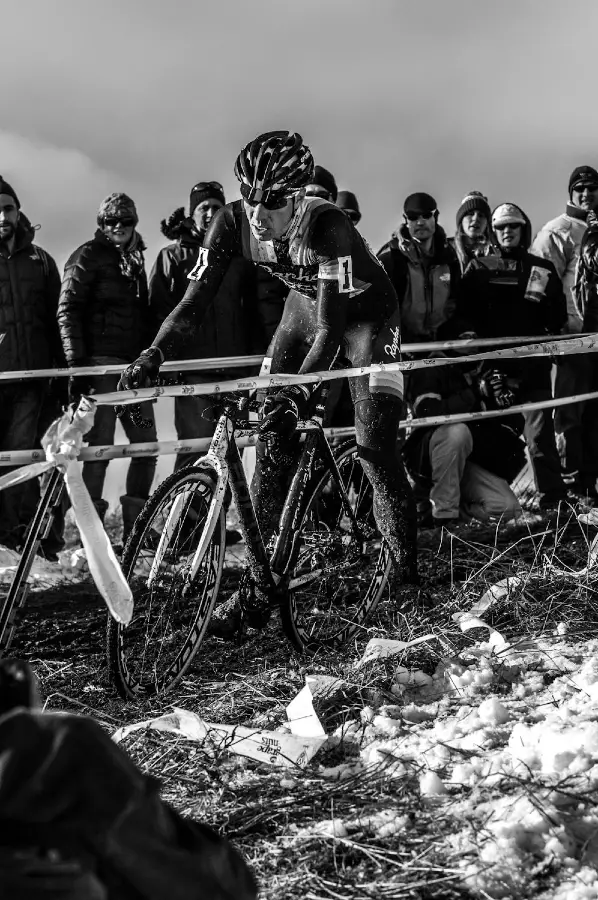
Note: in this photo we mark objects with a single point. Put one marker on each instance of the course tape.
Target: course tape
(244, 439)
(549, 348)
(234, 362)
(62, 444)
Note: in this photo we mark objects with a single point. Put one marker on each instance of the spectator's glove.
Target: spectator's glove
(79, 386)
(592, 219)
(142, 373)
(283, 410)
(493, 387)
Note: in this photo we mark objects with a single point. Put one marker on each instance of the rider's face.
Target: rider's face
(269, 224)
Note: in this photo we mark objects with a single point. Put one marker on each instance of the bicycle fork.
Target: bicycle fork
(214, 460)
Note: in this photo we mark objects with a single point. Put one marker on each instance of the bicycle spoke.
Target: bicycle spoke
(341, 567)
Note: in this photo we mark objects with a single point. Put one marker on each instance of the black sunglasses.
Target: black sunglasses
(125, 221)
(586, 185)
(414, 216)
(270, 200)
(207, 185)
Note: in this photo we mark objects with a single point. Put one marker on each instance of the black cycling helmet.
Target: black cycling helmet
(277, 162)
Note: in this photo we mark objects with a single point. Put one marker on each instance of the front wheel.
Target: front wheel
(172, 607)
(340, 571)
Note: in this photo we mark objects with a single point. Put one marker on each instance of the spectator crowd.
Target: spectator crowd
(491, 279)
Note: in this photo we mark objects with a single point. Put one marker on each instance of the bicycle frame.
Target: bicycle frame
(37, 531)
(224, 459)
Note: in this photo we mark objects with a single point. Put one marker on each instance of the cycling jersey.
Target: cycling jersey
(325, 260)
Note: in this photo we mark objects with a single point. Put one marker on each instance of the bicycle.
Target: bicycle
(325, 570)
(38, 529)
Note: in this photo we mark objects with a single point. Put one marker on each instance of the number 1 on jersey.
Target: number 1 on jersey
(345, 275)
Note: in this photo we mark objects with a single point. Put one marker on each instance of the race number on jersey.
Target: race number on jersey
(196, 273)
(340, 270)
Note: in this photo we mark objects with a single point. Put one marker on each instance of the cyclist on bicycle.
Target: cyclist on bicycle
(341, 307)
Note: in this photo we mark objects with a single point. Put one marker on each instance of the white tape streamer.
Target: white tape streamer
(62, 443)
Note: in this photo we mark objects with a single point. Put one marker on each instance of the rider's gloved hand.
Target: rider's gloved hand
(283, 409)
(142, 373)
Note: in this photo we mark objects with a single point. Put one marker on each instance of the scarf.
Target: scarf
(131, 258)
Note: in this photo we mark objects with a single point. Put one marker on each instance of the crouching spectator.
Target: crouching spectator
(460, 471)
(79, 821)
(29, 290)
(104, 319)
(517, 294)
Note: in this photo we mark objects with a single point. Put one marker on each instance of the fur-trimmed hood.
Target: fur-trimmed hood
(179, 227)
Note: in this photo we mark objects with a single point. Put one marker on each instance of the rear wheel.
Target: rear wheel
(171, 608)
(339, 571)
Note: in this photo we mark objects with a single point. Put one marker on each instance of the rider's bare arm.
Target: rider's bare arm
(331, 241)
(183, 323)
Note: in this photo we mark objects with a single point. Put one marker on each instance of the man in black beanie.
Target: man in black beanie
(29, 290)
(560, 241)
(423, 268)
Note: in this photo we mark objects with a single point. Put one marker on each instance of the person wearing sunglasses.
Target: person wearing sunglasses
(423, 268)
(347, 201)
(512, 294)
(559, 241)
(341, 305)
(104, 319)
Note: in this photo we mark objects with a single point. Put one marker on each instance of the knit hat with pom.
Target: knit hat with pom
(474, 200)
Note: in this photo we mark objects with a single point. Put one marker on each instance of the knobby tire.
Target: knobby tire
(151, 655)
(331, 609)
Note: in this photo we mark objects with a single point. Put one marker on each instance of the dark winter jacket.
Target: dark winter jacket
(29, 290)
(78, 819)
(226, 328)
(102, 310)
(586, 282)
(449, 391)
(513, 294)
(427, 288)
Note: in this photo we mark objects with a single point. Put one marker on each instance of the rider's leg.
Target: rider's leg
(273, 470)
(275, 460)
(377, 420)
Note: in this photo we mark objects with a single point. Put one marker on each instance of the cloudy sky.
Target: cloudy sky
(148, 97)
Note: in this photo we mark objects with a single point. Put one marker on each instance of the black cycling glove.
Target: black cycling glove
(283, 409)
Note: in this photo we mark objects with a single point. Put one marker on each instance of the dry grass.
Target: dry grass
(264, 810)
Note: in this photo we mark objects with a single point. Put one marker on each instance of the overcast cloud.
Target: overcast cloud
(392, 96)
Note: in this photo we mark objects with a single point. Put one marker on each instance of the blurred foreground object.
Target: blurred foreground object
(79, 821)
